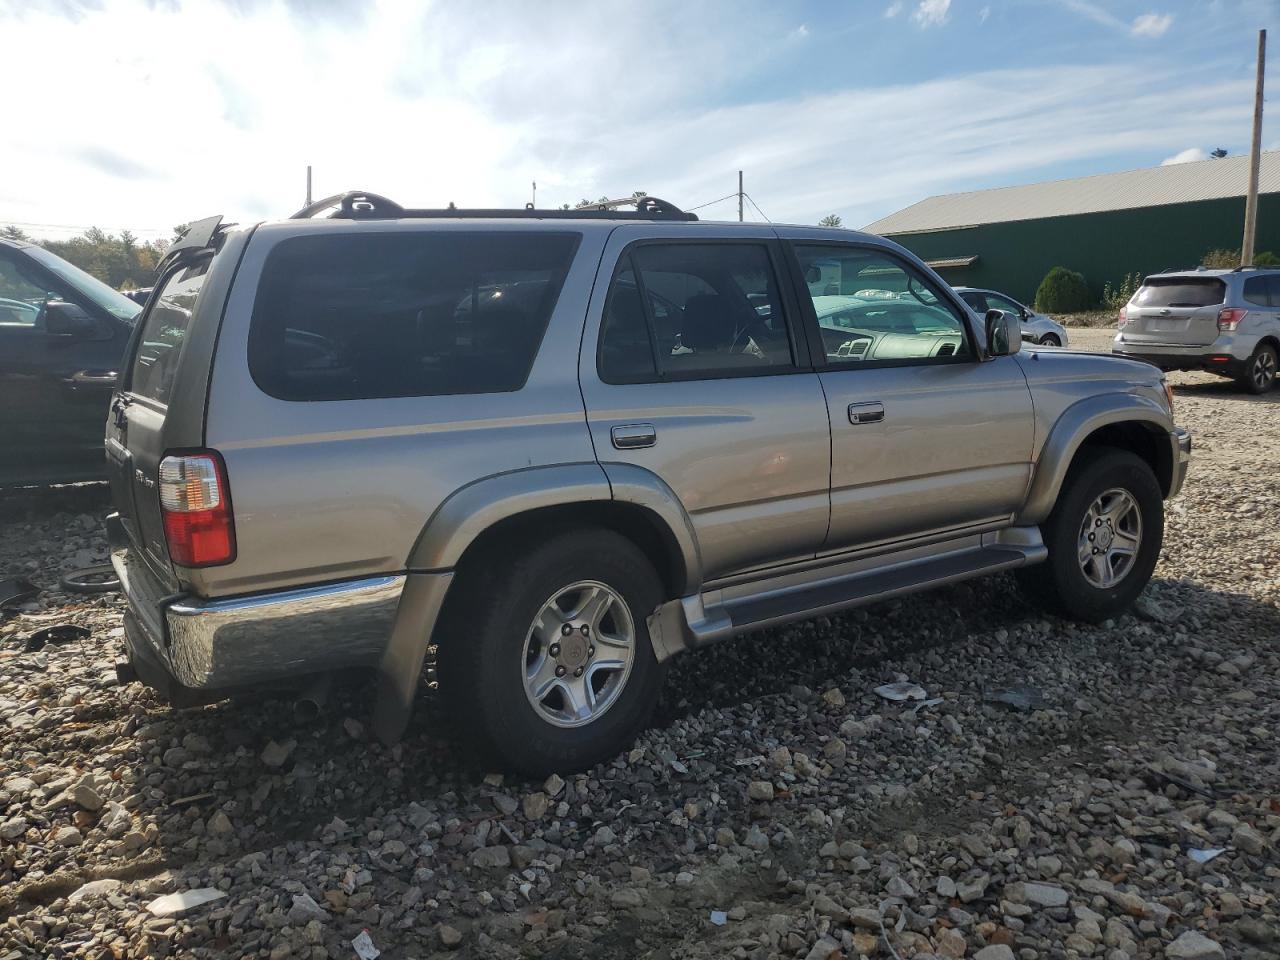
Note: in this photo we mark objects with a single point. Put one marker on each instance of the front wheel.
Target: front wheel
(1260, 371)
(1050, 340)
(545, 657)
(1104, 537)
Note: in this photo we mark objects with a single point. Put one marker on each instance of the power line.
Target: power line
(757, 206)
(728, 196)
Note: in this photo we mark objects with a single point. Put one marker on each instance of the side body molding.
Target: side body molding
(1071, 429)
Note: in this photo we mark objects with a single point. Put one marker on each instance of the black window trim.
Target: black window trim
(571, 257)
(796, 335)
(817, 348)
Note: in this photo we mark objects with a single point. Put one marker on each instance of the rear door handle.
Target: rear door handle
(632, 436)
(860, 413)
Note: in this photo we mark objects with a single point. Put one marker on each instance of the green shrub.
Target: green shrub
(1117, 297)
(1224, 259)
(1063, 291)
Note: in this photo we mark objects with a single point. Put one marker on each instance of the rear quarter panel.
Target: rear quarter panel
(331, 490)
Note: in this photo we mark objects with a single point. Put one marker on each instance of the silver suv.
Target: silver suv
(1224, 321)
(562, 447)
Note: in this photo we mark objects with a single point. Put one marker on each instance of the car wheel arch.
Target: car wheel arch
(1125, 421)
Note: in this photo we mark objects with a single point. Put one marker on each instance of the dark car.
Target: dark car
(62, 334)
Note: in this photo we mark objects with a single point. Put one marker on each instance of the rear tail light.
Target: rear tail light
(1230, 318)
(1123, 318)
(194, 501)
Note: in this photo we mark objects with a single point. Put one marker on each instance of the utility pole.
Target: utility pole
(308, 203)
(535, 194)
(739, 196)
(1255, 158)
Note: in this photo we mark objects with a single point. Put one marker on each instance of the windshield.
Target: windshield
(87, 286)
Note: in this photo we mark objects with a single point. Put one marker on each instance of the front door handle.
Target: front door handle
(860, 413)
(632, 436)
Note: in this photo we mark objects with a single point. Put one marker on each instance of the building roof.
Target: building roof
(1149, 187)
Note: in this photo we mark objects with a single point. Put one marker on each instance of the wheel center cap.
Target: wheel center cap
(573, 650)
(1105, 535)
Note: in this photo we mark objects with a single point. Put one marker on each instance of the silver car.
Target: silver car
(564, 447)
(1224, 321)
(1036, 327)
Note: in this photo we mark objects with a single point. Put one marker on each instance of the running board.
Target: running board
(705, 618)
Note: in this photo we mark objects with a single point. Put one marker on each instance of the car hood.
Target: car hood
(1059, 378)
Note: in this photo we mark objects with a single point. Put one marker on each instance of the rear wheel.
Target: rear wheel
(1104, 536)
(545, 658)
(1260, 370)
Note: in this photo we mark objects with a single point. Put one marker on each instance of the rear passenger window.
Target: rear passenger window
(693, 311)
(1255, 291)
(163, 331)
(360, 316)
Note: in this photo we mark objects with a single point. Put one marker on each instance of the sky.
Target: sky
(142, 115)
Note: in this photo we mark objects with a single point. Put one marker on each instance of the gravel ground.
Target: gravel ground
(777, 808)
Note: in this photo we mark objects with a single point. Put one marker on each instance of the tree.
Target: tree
(1218, 154)
(831, 220)
(15, 233)
(1063, 291)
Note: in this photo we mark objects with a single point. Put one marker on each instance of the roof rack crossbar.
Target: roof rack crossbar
(362, 205)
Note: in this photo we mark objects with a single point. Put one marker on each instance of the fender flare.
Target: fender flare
(1072, 428)
(472, 509)
(468, 513)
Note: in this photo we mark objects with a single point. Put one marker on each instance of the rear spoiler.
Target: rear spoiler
(200, 235)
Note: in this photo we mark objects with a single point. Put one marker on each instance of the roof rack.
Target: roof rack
(362, 205)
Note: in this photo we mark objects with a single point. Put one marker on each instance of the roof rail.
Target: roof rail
(362, 205)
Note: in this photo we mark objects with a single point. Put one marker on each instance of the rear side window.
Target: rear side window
(1180, 292)
(362, 316)
(164, 329)
(691, 311)
(1255, 291)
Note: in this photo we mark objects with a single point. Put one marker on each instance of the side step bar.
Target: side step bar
(693, 622)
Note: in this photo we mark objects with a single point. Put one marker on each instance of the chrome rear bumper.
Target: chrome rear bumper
(246, 641)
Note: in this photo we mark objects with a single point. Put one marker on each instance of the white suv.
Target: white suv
(1224, 321)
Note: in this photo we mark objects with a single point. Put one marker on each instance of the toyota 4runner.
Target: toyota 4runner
(564, 446)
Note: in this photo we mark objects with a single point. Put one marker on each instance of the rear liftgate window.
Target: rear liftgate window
(1180, 292)
(361, 316)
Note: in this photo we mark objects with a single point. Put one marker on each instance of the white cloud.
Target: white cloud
(799, 33)
(429, 106)
(1151, 25)
(931, 13)
(1189, 155)
(983, 14)
(893, 9)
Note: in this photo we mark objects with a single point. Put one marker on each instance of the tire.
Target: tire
(1050, 340)
(1061, 585)
(489, 646)
(1260, 370)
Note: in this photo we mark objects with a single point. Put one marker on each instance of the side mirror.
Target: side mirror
(63, 319)
(1004, 333)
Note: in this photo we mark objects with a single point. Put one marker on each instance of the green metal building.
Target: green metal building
(1103, 226)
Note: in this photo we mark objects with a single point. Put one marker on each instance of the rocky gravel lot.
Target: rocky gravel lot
(777, 808)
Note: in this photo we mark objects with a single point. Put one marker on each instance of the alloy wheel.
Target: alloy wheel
(578, 653)
(1110, 537)
(1263, 373)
